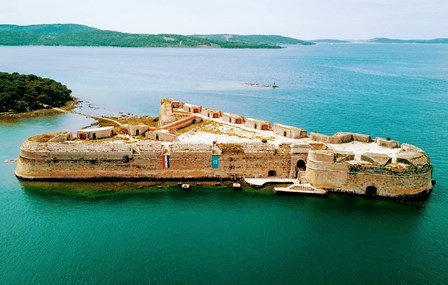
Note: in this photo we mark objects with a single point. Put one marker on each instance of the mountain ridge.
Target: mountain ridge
(81, 35)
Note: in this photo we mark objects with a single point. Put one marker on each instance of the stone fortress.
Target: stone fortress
(195, 143)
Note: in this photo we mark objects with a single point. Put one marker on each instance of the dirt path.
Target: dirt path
(89, 116)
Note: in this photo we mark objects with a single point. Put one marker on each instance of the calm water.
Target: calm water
(69, 233)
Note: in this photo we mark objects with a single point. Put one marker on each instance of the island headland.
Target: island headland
(28, 95)
(190, 142)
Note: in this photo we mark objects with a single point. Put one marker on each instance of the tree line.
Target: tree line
(25, 93)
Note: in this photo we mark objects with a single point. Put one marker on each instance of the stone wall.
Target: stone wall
(374, 171)
(143, 160)
(408, 174)
(340, 137)
(182, 123)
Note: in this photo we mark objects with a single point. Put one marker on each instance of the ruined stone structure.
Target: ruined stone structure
(344, 162)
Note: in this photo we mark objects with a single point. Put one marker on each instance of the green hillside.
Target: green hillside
(48, 29)
(78, 35)
(397, 41)
(255, 39)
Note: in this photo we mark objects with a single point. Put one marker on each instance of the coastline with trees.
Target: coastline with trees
(28, 95)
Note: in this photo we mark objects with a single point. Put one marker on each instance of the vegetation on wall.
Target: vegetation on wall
(24, 93)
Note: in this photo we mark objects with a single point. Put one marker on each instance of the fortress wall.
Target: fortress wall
(319, 137)
(324, 176)
(340, 137)
(70, 169)
(389, 185)
(144, 160)
(356, 137)
(61, 137)
(194, 161)
(256, 164)
(182, 123)
(355, 178)
(74, 151)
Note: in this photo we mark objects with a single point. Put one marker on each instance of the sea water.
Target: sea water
(115, 233)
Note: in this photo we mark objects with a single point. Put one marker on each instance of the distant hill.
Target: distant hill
(255, 39)
(331, 41)
(53, 29)
(397, 41)
(79, 35)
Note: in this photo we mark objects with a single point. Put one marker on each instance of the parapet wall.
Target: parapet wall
(340, 137)
(143, 160)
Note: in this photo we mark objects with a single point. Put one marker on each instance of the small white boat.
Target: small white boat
(236, 186)
(301, 189)
(185, 186)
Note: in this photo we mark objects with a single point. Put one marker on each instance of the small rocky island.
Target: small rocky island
(191, 142)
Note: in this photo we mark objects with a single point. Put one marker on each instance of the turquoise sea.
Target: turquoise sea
(78, 233)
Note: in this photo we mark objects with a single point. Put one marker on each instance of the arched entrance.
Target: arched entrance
(301, 165)
(371, 190)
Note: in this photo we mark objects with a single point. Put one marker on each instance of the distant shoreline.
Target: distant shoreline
(8, 117)
(80, 35)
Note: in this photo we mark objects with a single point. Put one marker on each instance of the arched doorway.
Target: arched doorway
(301, 165)
(371, 190)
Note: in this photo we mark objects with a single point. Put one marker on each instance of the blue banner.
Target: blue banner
(215, 161)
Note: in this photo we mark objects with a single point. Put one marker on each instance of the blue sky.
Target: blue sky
(305, 19)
